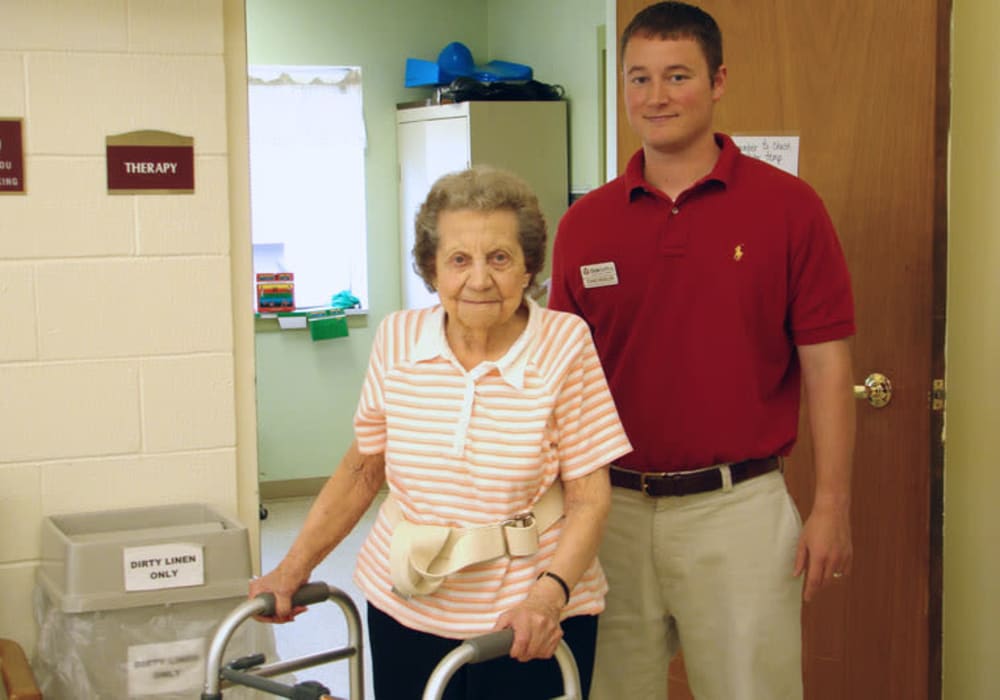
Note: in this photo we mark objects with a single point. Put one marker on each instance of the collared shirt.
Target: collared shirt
(432, 344)
(697, 305)
(474, 447)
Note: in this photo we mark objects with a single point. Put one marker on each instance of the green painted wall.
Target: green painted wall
(563, 41)
(306, 392)
(972, 477)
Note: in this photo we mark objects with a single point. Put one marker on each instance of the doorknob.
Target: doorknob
(877, 389)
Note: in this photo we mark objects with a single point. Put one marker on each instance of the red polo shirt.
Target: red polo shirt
(696, 306)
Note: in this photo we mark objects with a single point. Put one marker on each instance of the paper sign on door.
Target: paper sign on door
(780, 151)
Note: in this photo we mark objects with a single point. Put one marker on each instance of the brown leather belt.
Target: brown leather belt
(658, 484)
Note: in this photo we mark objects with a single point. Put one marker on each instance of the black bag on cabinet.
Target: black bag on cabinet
(470, 89)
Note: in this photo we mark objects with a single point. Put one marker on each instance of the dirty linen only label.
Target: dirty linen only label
(169, 667)
(175, 565)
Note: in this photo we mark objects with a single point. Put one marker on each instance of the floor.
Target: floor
(322, 627)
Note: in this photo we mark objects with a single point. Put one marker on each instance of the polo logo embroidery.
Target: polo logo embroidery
(738, 253)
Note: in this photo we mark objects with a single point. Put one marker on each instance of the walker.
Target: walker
(493, 646)
(251, 671)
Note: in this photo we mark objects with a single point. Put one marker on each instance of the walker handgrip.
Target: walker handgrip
(309, 593)
(490, 646)
(312, 592)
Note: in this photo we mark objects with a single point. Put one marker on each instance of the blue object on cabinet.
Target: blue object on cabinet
(455, 61)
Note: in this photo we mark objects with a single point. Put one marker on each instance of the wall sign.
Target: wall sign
(150, 162)
(11, 157)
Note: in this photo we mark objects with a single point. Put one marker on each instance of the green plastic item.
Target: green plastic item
(326, 324)
(344, 300)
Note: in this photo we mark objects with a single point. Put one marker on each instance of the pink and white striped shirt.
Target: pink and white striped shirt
(466, 448)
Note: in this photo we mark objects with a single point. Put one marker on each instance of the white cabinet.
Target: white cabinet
(527, 138)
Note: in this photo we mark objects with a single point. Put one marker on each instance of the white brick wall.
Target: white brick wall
(67, 212)
(77, 100)
(133, 306)
(199, 416)
(65, 25)
(195, 224)
(116, 312)
(18, 329)
(147, 480)
(57, 410)
(12, 85)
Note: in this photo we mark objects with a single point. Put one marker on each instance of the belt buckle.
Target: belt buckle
(526, 519)
(644, 481)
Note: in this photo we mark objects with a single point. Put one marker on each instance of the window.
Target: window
(307, 179)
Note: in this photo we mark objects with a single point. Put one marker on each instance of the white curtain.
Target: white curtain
(307, 178)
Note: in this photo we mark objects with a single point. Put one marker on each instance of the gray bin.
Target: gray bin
(127, 601)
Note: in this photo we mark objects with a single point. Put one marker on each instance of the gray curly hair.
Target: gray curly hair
(485, 189)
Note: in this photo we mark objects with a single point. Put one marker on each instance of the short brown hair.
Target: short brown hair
(485, 189)
(678, 20)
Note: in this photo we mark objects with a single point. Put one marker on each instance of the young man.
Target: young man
(714, 285)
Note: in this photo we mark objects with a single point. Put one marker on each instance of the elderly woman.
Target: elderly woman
(491, 422)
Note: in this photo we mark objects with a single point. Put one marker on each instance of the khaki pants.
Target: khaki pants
(711, 573)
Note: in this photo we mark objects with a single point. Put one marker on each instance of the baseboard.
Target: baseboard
(291, 488)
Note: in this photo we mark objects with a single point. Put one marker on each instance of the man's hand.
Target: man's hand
(825, 552)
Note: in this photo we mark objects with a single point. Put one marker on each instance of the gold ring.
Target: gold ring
(837, 574)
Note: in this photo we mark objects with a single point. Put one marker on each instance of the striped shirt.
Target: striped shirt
(465, 448)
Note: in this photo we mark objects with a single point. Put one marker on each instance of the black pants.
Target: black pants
(403, 660)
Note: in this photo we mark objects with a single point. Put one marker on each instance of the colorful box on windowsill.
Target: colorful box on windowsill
(275, 291)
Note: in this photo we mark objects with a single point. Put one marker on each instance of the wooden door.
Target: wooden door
(864, 86)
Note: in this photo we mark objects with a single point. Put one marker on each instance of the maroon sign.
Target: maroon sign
(11, 156)
(150, 162)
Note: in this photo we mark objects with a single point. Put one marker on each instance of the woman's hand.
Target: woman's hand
(535, 622)
(340, 504)
(586, 501)
(282, 585)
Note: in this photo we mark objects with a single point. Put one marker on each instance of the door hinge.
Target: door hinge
(937, 395)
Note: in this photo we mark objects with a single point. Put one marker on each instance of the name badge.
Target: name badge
(599, 275)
